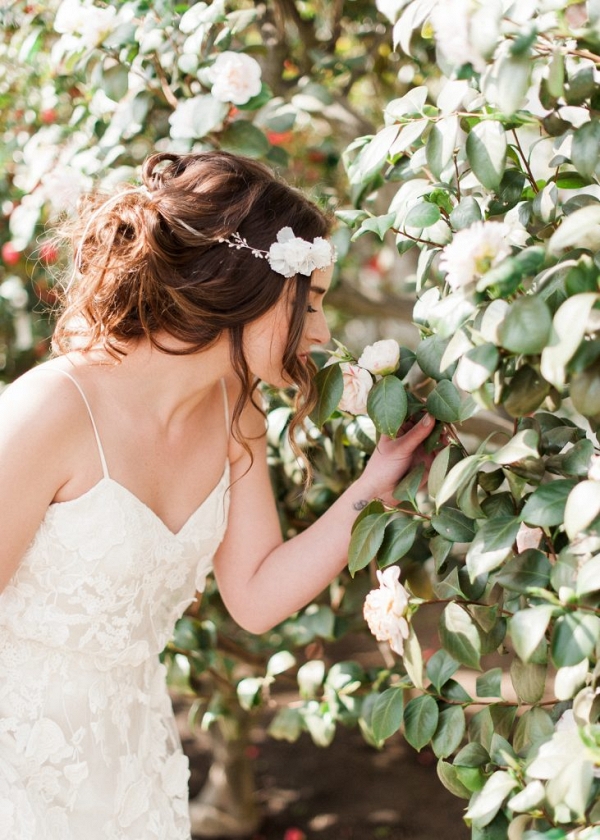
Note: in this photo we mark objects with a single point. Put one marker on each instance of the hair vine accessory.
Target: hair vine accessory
(291, 254)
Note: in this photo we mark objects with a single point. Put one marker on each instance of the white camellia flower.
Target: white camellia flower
(594, 470)
(385, 609)
(381, 357)
(474, 251)
(290, 254)
(91, 23)
(235, 77)
(357, 384)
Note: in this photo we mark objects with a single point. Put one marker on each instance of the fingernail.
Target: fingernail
(427, 420)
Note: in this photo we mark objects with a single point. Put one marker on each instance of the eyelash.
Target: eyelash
(311, 310)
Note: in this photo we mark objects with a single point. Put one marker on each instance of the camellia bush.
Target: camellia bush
(475, 152)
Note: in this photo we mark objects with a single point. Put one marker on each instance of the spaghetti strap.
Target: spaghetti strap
(225, 406)
(87, 405)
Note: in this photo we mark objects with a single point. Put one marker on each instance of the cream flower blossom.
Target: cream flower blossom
(90, 23)
(474, 251)
(466, 31)
(381, 357)
(385, 609)
(235, 77)
(357, 384)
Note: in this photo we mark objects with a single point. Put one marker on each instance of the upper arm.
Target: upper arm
(253, 529)
(33, 429)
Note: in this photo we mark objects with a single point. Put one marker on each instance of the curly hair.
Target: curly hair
(148, 260)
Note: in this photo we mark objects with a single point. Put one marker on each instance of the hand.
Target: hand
(394, 457)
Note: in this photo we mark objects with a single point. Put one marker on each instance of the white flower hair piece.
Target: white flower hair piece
(291, 254)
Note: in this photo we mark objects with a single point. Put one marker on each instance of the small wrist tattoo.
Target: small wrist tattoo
(360, 505)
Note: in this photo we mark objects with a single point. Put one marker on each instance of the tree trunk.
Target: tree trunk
(226, 807)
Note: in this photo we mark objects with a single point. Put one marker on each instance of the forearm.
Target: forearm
(293, 573)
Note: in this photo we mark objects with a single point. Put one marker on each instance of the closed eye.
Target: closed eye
(311, 309)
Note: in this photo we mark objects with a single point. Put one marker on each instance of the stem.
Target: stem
(534, 186)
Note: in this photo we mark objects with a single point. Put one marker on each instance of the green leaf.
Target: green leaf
(413, 658)
(476, 367)
(529, 680)
(386, 717)
(422, 215)
(527, 628)
(330, 387)
(408, 488)
(287, 725)
(486, 803)
(546, 505)
(490, 683)
(585, 150)
(583, 506)
(397, 541)
(588, 579)
(310, 677)
(450, 731)
(429, 354)
(248, 692)
(373, 155)
(458, 477)
(440, 667)
(568, 330)
(492, 544)
(526, 327)
(574, 638)
(524, 444)
(453, 525)
(444, 402)
(376, 224)
(448, 776)
(526, 571)
(387, 405)
(281, 661)
(244, 138)
(466, 212)
(533, 727)
(352, 217)
(441, 143)
(580, 229)
(459, 635)
(366, 541)
(486, 151)
(420, 720)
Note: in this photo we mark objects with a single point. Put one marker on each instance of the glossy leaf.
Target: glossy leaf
(387, 405)
(330, 387)
(450, 731)
(386, 717)
(421, 717)
(443, 402)
(397, 541)
(527, 628)
(546, 505)
(486, 151)
(459, 635)
(366, 541)
(574, 638)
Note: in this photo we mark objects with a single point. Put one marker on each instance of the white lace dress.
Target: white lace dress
(88, 745)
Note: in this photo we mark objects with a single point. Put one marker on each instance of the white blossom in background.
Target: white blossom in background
(381, 357)
(63, 186)
(13, 290)
(594, 470)
(84, 24)
(466, 31)
(195, 117)
(474, 251)
(385, 609)
(357, 384)
(235, 77)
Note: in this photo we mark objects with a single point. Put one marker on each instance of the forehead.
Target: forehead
(320, 280)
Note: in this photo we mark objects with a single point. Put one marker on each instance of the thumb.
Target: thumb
(417, 434)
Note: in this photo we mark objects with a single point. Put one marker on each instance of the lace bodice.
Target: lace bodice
(105, 577)
(88, 743)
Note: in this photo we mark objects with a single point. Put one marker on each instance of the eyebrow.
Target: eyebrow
(318, 290)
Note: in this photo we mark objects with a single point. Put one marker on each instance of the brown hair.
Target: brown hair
(149, 259)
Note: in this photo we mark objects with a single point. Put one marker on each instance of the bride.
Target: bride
(133, 463)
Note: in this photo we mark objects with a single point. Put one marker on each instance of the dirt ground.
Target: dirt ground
(348, 791)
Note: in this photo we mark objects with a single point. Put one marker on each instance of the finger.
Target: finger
(415, 436)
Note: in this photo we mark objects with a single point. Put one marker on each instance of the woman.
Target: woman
(125, 477)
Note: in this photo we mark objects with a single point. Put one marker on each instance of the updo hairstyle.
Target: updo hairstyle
(148, 261)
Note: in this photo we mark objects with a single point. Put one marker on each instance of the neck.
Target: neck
(161, 384)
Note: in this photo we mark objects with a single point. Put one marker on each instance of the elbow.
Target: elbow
(253, 623)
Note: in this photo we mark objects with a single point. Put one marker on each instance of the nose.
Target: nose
(318, 332)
